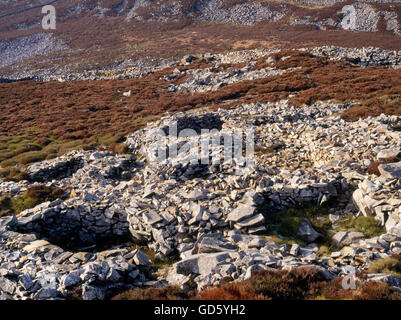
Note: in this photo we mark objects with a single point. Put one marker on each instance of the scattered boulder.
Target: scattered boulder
(306, 231)
(386, 154)
(243, 211)
(347, 237)
(390, 170)
(142, 259)
(212, 243)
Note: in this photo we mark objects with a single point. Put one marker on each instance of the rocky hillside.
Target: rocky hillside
(201, 149)
(115, 34)
(314, 183)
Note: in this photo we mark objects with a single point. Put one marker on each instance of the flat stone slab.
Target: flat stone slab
(387, 154)
(36, 245)
(242, 212)
(254, 221)
(390, 170)
(347, 237)
(202, 263)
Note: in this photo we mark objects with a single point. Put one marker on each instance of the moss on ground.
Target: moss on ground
(283, 225)
(369, 226)
(30, 198)
(20, 151)
(389, 265)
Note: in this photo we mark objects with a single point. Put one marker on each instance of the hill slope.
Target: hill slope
(99, 34)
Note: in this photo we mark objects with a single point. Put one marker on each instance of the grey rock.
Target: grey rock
(201, 263)
(254, 221)
(71, 280)
(306, 231)
(294, 249)
(141, 259)
(91, 292)
(7, 286)
(256, 243)
(26, 281)
(212, 243)
(8, 222)
(250, 271)
(387, 154)
(390, 170)
(242, 212)
(347, 237)
(45, 294)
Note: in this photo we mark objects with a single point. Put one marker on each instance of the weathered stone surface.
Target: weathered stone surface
(46, 294)
(294, 249)
(306, 231)
(242, 212)
(212, 243)
(254, 221)
(91, 292)
(7, 286)
(347, 238)
(39, 244)
(390, 170)
(70, 280)
(388, 154)
(201, 263)
(363, 202)
(141, 259)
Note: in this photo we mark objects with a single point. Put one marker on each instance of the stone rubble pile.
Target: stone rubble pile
(369, 56)
(244, 14)
(210, 79)
(211, 215)
(140, 68)
(214, 78)
(13, 188)
(31, 268)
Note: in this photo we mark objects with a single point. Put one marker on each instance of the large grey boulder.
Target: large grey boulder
(365, 203)
(7, 286)
(212, 243)
(393, 225)
(46, 294)
(202, 264)
(8, 222)
(254, 221)
(151, 217)
(91, 292)
(347, 237)
(242, 212)
(26, 281)
(387, 154)
(390, 170)
(141, 259)
(306, 231)
(71, 279)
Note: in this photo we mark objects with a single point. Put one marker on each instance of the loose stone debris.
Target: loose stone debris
(209, 215)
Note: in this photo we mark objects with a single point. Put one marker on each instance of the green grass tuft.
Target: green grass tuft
(390, 265)
(283, 225)
(32, 197)
(367, 225)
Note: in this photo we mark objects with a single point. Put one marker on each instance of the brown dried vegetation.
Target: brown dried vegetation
(42, 120)
(164, 293)
(300, 283)
(374, 166)
(97, 43)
